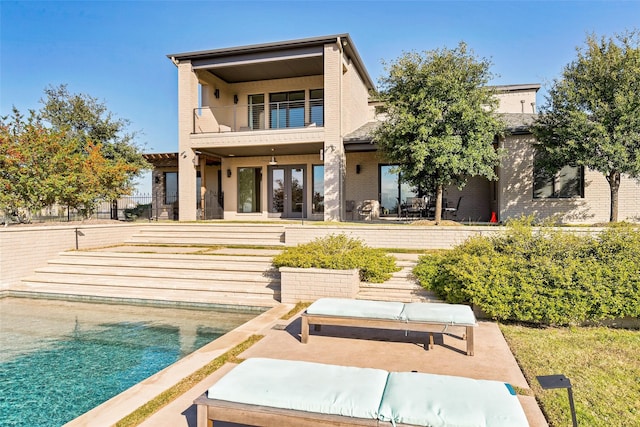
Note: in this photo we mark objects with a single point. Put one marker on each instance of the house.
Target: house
(283, 130)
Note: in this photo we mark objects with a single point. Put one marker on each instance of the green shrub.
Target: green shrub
(339, 252)
(546, 276)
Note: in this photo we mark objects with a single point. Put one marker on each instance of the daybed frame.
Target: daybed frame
(317, 320)
(221, 410)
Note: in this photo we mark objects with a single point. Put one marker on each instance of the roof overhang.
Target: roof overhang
(293, 58)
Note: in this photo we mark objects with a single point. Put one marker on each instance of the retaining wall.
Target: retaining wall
(404, 237)
(23, 249)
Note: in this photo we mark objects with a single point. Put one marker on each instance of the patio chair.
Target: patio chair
(350, 207)
(365, 210)
(288, 393)
(452, 210)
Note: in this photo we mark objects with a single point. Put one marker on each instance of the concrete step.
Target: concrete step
(152, 283)
(228, 279)
(173, 295)
(211, 234)
(169, 262)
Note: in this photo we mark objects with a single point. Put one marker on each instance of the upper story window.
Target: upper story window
(316, 107)
(286, 109)
(567, 183)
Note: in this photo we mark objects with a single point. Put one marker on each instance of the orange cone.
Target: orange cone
(494, 218)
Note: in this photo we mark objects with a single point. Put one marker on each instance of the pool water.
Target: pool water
(59, 359)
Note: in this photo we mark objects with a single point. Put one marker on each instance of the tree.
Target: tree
(441, 122)
(72, 153)
(591, 117)
(85, 118)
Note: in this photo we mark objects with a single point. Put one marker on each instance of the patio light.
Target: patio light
(559, 381)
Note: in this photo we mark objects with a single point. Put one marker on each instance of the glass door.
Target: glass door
(287, 191)
(393, 192)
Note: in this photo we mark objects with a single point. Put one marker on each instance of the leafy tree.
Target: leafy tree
(592, 113)
(32, 157)
(73, 153)
(86, 119)
(441, 121)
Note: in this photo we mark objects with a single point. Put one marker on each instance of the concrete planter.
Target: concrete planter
(309, 284)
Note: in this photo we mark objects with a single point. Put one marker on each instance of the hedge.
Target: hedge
(544, 276)
(339, 252)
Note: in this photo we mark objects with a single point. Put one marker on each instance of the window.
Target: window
(170, 187)
(286, 109)
(316, 106)
(317, 205)
(393, 190)
(256, 111)
(568, 182)
(249, 189)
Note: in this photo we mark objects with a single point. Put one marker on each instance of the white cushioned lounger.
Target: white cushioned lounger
(270, 392)
(417, 316)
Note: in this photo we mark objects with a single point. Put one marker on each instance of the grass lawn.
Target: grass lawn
(603, 365)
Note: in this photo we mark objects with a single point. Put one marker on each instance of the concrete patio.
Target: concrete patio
(389, 350)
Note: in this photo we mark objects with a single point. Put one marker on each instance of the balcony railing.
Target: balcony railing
(250, 117)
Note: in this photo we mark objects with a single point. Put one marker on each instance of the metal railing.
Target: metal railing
(139, 207)
(250, 117)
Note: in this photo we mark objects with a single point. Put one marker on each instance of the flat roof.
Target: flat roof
(263, 50)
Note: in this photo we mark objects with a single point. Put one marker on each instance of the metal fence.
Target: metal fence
(139, 207)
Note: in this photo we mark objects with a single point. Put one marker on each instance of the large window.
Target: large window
(317, 205)
(393, 191)
(170, 187)
(568, 182)
(286, 109)
(316, 107)
(249, 189)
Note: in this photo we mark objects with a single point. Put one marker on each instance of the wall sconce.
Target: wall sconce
(228, 173)
(235, 99)
(183, 154)
(358, 169)
(216, 93)
(157, 179)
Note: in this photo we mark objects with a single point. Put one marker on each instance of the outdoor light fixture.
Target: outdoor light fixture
(235, 99)
(273, 160)
(216, 93)
(157, 179)
(358, 169)
(228, 173)
(548, 382)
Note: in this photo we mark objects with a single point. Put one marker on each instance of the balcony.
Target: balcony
(259, 117)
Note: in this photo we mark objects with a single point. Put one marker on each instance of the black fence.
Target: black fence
(140, 207)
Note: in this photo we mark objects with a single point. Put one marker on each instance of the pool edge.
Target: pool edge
(121, 405)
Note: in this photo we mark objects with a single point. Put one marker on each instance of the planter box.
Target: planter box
(309, 284)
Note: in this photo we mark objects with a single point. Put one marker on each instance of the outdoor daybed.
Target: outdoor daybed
(285, 393)
(416, 316)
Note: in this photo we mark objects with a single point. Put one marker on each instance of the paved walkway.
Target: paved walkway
(389, 350)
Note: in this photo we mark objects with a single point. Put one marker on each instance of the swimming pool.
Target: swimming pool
(59, 359)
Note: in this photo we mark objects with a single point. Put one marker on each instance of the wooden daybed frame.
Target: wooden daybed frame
(317, 320)
(241, 413)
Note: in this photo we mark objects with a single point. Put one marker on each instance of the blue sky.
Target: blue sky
(116, 51)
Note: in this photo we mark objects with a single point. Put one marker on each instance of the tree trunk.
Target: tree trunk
(614, 186)
(438, 213)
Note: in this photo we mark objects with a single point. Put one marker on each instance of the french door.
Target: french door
(287, 191)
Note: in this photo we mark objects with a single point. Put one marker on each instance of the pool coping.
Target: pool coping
(121, 405)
